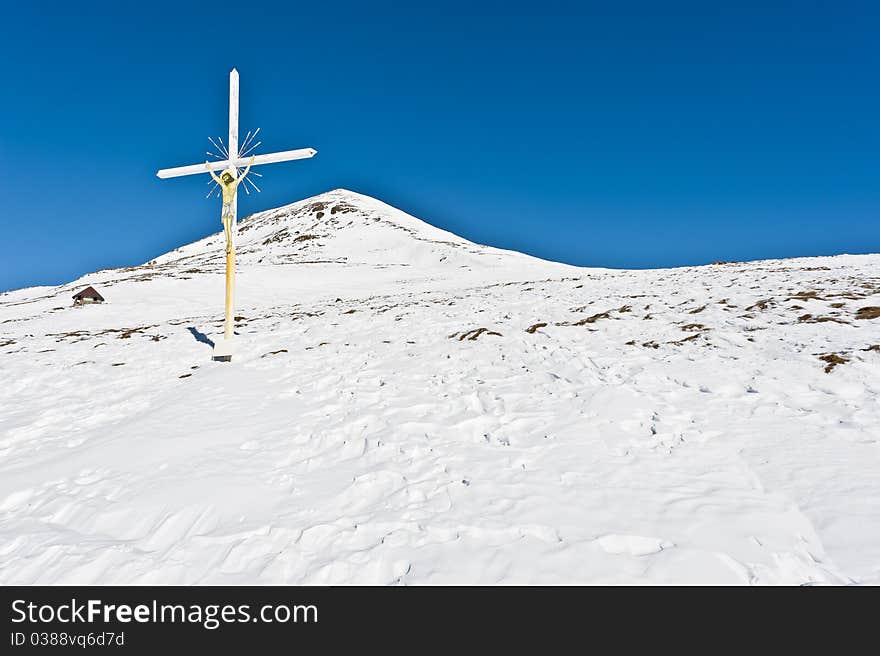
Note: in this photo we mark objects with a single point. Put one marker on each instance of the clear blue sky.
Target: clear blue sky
(623, 134)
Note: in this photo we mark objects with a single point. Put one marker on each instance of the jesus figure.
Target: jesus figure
(228, 184)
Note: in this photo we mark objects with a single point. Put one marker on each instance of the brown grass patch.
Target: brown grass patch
(591, 319)
(809, 318)
(128, 332)
(805, 296)
(761, 305)
(870, 312)
(689, 338)
(531, 329)
(342, 208)
(75, 333)
(473, 334)
(833, 360)
(697, 310)
(124, 333)
(873, 347)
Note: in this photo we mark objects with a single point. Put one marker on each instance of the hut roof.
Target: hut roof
(88, 292)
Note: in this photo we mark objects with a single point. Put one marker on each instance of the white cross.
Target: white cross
(223, 350)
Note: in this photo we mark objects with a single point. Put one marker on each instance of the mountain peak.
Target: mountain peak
(340, 226)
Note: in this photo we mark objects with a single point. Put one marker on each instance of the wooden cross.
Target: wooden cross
(233, 160)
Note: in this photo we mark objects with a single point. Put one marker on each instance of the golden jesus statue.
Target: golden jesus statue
(228, 182)
(228, 185)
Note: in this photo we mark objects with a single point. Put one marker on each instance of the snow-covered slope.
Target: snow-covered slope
(337, 244)
(407, 406)
(343, 227)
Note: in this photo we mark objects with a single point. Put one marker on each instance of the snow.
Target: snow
(664, 426)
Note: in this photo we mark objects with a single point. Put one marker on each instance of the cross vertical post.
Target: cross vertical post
(232, 147)
(233, 114)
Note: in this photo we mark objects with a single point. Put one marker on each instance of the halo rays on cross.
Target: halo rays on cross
(221, 154)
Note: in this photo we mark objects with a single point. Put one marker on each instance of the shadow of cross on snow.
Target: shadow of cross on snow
(200, 336)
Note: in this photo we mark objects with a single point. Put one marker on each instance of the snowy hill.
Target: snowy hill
(343, 227)
(410, 407)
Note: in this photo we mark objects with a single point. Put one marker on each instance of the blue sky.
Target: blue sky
(625, 134)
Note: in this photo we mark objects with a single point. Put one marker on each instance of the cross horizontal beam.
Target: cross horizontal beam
(241, 162)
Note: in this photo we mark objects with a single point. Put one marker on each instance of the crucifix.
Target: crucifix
(229, 158)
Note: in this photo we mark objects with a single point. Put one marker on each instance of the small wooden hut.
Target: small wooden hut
(87, 295)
